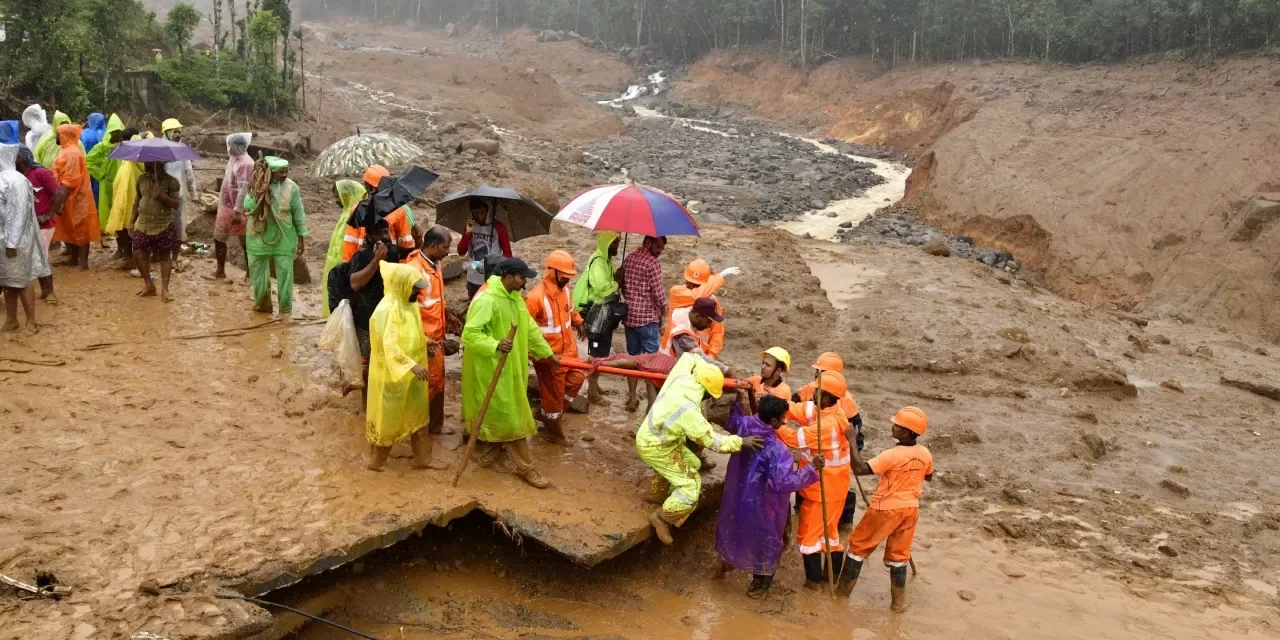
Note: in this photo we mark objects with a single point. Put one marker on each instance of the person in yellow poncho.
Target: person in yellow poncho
(124, 194)
(47, 147)
(397, 392)
(349, 194)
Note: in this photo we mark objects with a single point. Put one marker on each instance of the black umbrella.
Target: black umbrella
(523, 217)
(393, 192)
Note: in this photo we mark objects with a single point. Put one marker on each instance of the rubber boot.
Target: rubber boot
(848, 577)
(661, 527)
(898, 588)
(837, 563)
(813, 577)
(850, 507)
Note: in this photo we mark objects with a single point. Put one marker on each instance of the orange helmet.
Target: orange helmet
(912, 419)
(830, 362)
(561, 261)
(374, 174)
(833, 384)
(698, 272)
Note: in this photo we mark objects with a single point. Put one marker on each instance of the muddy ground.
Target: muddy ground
(1095, 472)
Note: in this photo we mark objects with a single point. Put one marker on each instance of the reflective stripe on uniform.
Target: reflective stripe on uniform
(808, 549)
(660, 433)
(684, 498)
(404, 239)
(550, 327)
(354, 239)
(715, 443)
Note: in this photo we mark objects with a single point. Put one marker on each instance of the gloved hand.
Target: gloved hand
(731, 271)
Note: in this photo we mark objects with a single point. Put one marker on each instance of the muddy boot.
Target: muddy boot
(579, 404)
(898, 588)
(535, 479)
(486, 454)
(837, 564)
(848, 577)
(661, 527)
(552, 432)
(812, 571)
(759, 586)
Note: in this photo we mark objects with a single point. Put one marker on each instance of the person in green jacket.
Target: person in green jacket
(596, 285)
(47, 147)
(276, 233)
(103, 168)
(508, 422)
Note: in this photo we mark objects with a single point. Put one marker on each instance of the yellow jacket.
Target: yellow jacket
(397, 398)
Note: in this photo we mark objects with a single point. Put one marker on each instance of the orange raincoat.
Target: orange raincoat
(836, 476)
(432, 306)
(78, 223)
(552, 308)
(681, 296)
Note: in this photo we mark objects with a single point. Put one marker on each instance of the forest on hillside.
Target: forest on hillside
(892, 31)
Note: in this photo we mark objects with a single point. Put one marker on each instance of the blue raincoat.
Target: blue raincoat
(9, 132)
(750, 534)
(94, 131)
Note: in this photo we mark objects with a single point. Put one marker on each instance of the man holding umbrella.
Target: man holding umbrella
(483, 236)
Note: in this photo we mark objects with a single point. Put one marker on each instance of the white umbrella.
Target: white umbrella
(351, 156)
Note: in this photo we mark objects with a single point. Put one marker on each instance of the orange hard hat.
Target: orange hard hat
(833, 384)
(830, 362)
(561, 261)
(698, 272)
(912, 419)
(374, 174)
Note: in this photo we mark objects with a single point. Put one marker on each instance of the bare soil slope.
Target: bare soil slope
(1119, 184)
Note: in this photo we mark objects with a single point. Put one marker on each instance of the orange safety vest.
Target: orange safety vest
(397, 223)
(681, 297)
(552, 308)
(835, 446)
(431, 302)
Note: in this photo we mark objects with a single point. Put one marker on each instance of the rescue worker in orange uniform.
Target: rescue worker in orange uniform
(699, 282)
(774, 362)
(398, 222)
(551, 305)
(436, 243)
(835, 433)
(833, 362)
(895, 507)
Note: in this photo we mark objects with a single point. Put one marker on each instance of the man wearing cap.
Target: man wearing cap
(399, 222)
(184, 172)
(699, 282)
(276, 233)
(686, 323)
(822, 428)
(895, 507)
(673, 423)
(508, 422)
(552, 309)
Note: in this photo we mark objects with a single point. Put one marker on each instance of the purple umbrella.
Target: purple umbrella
(153, 150)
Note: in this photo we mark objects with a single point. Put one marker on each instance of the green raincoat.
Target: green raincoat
(104, 169)
(397, 399)
(489, 318)
(350, 193)
(271, 237)
(47, 148)
(597, 282)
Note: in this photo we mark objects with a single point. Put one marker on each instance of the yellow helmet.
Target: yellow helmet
(710, 377)
(170, 124)
(778, 354)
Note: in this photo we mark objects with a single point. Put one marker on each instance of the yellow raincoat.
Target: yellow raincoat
(350, 193)
(124, 194)
(397, 398)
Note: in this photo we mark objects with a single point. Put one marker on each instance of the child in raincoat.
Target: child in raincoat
(398, 400)
(349, 194)
(662, 441)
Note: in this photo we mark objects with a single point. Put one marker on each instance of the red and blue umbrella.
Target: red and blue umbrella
(629, 208)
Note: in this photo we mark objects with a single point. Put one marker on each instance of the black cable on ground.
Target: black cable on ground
(301, 613)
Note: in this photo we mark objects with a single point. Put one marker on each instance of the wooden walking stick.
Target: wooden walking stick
(484, 408)
(822, 485)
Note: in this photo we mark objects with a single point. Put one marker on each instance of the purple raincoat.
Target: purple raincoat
(756, 500)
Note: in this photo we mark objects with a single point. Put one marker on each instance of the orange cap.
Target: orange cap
(830, 362)
(912, 419)
(561, 261)
(698, 271)
(833, 384)
(374, 174)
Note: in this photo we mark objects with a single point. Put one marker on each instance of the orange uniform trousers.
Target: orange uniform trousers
(557, 386)
(895, 527)
(809, 525)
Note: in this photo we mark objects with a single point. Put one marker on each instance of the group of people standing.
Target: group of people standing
(62, 186)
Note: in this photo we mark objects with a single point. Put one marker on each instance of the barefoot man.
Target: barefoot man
(24, 259)
(155, 235)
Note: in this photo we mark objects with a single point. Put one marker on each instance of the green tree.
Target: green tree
(181, 23)
(39, 57)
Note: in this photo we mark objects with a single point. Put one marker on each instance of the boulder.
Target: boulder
(1255, 217)
(938, 248)
(450, 30)
(487, 147)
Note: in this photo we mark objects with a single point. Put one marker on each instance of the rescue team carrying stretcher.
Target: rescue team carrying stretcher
(806, 441)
